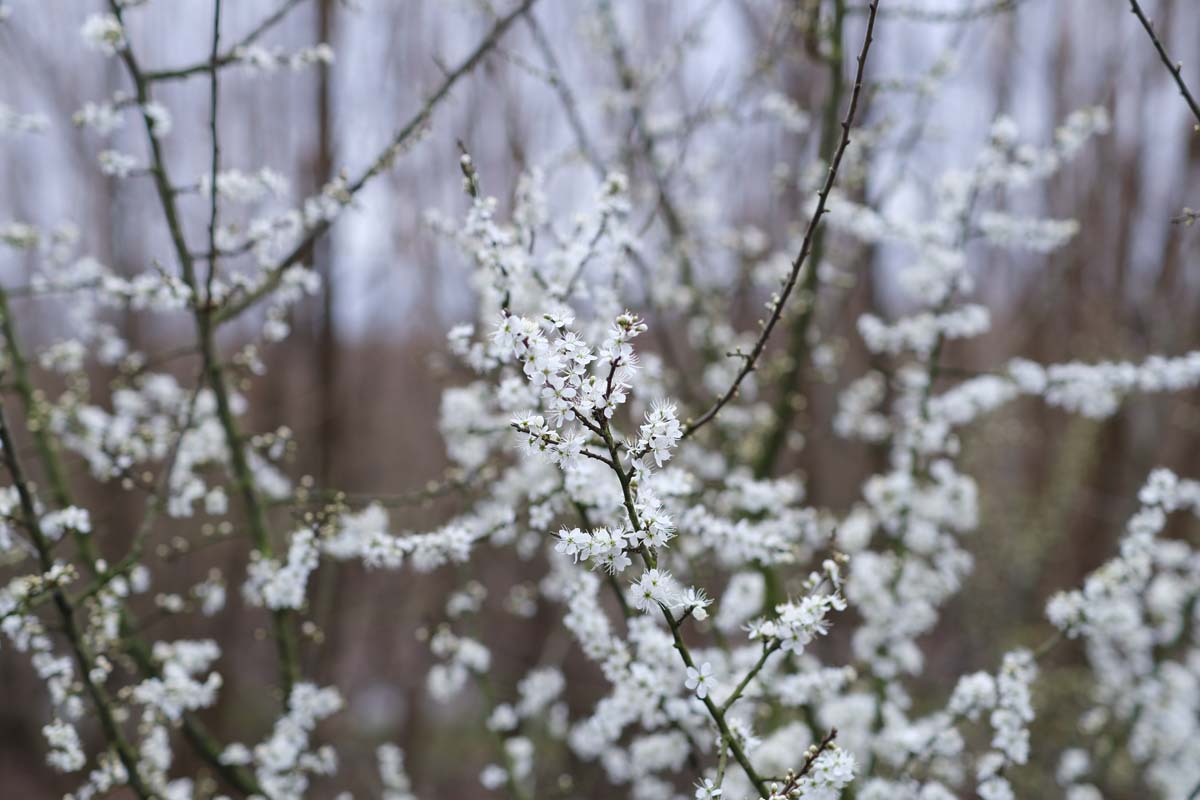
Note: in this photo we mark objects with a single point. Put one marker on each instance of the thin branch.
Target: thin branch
(1187, 216)
(381, 162)
(1174, 67)
(202, 312)
(100, 698)
(216, 61)
(47, 453)
(912, 13)
(648, 558)
(734, 696)
(155, 503)
(208, 748)
(799, 352)
(809, 236)
(213, 85)
(648, 140)
(454, 481)
(565, 96)
(673, 219)
(814, 753)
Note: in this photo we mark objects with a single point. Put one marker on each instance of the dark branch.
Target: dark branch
(809, 235)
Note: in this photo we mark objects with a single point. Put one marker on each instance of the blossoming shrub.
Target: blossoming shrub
(752, 643)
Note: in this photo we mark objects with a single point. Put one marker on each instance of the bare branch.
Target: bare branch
(1174, 67)
(809, 235)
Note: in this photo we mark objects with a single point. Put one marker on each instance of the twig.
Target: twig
(208, 748)
(768, 650)
(798, 349)
(216, 61)
(814, 753)
(202, 312)
(213, 85)
(717, 714)
(154, 505)
(809, 235)
(1174, 67)
(914, 13)
(565, 97)
(100, 698)
(1186, 217)
(381, 162)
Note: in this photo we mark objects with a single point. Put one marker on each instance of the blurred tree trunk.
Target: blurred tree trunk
(327, 384)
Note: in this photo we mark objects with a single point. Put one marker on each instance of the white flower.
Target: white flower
(70, 519)
(178, 690)
(103, 32)
(694, 601)
(660, 433)
(392, 774)
(284, 585)
(493, 777)
(655, 587)
(116, 164)
(66, 752)
(698, 679)
(159, 118)
(799, 623)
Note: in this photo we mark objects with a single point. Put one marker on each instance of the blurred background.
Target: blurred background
(359, 381)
